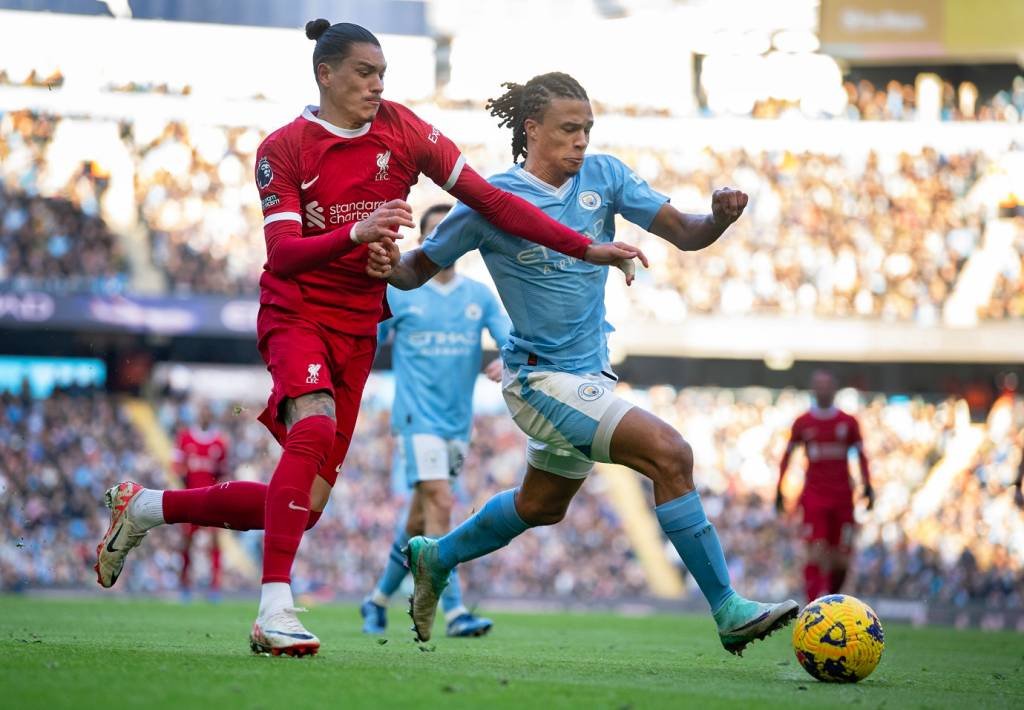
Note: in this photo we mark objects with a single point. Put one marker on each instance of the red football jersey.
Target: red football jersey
(203, 454)
(827, 436)
(326, 177)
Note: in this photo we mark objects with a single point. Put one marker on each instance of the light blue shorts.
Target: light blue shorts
(569, 418)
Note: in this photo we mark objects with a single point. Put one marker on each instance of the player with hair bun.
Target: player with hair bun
(332, 181)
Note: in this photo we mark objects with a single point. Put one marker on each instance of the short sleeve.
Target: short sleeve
(635, 199)
(434, 153)
(277, 178)
(458, 233)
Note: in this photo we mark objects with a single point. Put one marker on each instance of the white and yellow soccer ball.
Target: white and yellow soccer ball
(838, 639)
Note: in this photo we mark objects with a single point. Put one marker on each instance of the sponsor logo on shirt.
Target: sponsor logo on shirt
(589, 392)
(538, 256)
(382, 166)
(313, 376)
(269, 201)
(473, 311)
(589, 200)
(434, 134)
(264, 173)
(315, 215)
(338, 214)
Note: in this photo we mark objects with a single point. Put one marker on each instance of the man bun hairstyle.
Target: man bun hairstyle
(315, 28)
(530, 100)
(333, 42)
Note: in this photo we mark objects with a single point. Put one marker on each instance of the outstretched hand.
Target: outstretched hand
(618, 254)
(383, 222)
(727, 205)
(383, 255)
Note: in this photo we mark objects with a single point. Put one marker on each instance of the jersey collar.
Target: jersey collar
(308, 114)
(556, 192)
(819, 413)
(445, 289)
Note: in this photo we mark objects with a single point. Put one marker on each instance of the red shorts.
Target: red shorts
(304, 357)
(828, 521)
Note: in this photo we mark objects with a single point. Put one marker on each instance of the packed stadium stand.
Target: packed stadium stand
(61, 452)
(876, 235)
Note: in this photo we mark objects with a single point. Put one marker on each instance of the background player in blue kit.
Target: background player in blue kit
(558, 381)
(436, 360)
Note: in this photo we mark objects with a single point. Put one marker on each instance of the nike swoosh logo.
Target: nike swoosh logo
(747, 625)
(291, 504)
(110, 544)
(300, 637)
(307, 185)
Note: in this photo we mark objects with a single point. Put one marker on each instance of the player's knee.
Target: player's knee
(312, 436)
(673, 458)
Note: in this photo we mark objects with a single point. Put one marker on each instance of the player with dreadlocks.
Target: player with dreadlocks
(558, 382)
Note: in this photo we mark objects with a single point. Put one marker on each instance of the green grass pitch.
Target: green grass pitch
(145, 654)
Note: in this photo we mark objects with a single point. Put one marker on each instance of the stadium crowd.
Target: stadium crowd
(58, 242)
(897, 101)
(880, 236)
(58, 455)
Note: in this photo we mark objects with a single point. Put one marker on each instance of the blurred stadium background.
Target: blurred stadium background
(882, 145)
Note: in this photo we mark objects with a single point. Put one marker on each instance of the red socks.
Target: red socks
(235, 505)
(287, 508)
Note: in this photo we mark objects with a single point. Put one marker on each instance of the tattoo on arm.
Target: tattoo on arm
(313, 404)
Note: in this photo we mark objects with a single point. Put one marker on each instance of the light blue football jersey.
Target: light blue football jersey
(556, 302)
(436, 353)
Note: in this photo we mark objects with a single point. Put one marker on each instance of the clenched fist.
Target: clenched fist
(727, 205)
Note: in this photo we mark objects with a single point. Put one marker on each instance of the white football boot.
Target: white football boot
(123, 535)
(281, 632)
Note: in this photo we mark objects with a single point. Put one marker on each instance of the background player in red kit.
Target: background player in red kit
(200, 459)
(827, 435)
(331, 181)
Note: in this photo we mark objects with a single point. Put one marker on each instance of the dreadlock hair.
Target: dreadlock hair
(333, 42)
(530, 100)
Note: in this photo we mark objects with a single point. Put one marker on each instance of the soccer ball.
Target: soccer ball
(838, 639)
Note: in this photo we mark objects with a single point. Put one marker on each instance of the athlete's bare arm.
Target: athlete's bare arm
(690, 232)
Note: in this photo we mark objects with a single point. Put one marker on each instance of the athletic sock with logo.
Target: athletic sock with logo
(287, 512)
(696, 540)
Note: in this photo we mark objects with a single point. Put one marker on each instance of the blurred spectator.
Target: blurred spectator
(57, 456)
